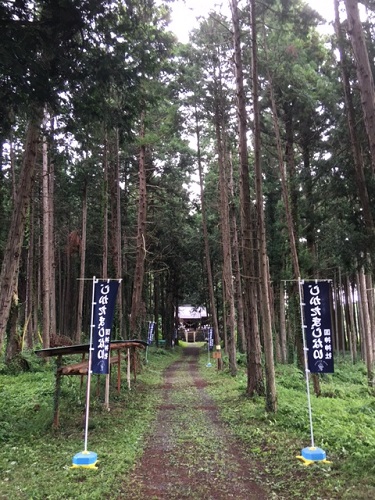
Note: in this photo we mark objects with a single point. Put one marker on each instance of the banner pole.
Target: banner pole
(89, 365)
(88, 459)
(307, 371)
(311, 454)
(128, 369)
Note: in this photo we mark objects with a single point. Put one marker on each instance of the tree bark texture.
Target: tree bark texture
(364, 73)
(284, 187)
(114, 189)
(282, 333)
(16, 232)
(351, 321)
(46, 271)
(228, 291)
(137, 309)
(367, 336)
(236, 266)
(255, 382)
(210, 281)
(81, 283)
(30, 293)
(351, 119)
(271, 397)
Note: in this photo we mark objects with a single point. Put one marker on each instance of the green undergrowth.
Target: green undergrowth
(35, 459)
(343, 425)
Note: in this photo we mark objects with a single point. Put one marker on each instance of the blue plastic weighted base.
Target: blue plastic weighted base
(85, 459)
(314, 454)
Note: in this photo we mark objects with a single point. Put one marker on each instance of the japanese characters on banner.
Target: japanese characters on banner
(318, 326)
(105, 293)
(151, 332)
(210, 338)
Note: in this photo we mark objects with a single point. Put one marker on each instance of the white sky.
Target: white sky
(185, 13)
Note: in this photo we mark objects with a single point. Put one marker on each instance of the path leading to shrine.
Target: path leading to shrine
(191, 454)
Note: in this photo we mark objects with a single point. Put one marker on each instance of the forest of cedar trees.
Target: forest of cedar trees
(218, 172)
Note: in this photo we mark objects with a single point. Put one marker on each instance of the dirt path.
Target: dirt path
(191, 454)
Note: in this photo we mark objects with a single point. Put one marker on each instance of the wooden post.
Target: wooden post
(57, 393)
(118, 371)
(106, 394)
(134, 363)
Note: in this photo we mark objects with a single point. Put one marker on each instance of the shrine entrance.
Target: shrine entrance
(192, 321)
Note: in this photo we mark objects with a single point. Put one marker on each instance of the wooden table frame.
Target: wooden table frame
(81, 368)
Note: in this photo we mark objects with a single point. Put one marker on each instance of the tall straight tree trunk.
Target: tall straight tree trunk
(364, 73)
(255, 383)
(105, 210)
(81, 282)
(282, 334)
(51, 232)
(271, 397)
(361, 323)
(13, 168)
(210, 282)
(342, 316)
(126, 286)
(353, 313)
(46, 256)
(114, 189)
(67, 296)
(351, 119)
(284, 187)
(335, 317)
(13, 344)
(136, 309)
(352, 322)
(367, 336)
(236, 265)
(156, 290)
(228, 292)
(348, 317)
(370, 299)
(30, 280)
(13, 247)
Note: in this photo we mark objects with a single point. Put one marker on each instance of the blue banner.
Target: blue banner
(105, 293)
(318, 326)
(210, 338)
(151, 332)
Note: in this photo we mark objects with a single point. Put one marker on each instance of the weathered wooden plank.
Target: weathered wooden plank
(81, 367)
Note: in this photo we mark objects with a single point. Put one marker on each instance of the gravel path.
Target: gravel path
(191, 454)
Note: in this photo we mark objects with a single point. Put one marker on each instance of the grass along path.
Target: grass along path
(169, 436)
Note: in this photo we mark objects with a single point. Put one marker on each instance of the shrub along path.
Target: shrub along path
(190, 453)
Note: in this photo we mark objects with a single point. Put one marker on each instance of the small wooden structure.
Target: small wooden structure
(190, 320)
(81, 368)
